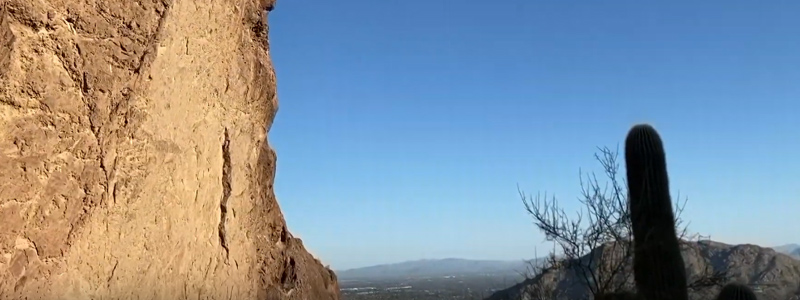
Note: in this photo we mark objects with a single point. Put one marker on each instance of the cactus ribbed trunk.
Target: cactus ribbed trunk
(658, 265)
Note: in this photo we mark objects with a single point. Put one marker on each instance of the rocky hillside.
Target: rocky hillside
(775, 276)
(133, 154)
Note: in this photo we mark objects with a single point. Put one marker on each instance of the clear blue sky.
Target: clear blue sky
(405, 126)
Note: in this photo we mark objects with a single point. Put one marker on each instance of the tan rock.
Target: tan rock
(133, 154)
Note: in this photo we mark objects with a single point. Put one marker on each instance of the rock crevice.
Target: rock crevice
(226, 191)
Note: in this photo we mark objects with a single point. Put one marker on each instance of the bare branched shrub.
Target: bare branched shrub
(541, 287)
(596, 243)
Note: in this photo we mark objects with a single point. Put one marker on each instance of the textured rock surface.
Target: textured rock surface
(133, 154)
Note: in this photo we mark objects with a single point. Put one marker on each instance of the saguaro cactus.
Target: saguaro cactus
(658, 266)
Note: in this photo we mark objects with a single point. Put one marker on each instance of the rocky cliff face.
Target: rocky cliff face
(133, 154)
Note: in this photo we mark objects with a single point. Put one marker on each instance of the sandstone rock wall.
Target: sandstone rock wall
(133, 154)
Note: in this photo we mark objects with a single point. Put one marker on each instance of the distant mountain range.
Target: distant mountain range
(749, 263)
(791, 249)
(436, 267)
(460, 267)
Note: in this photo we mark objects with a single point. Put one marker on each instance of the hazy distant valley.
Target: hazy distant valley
(790, 249)
(431, 279)
(774, 272)
(436, 268)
